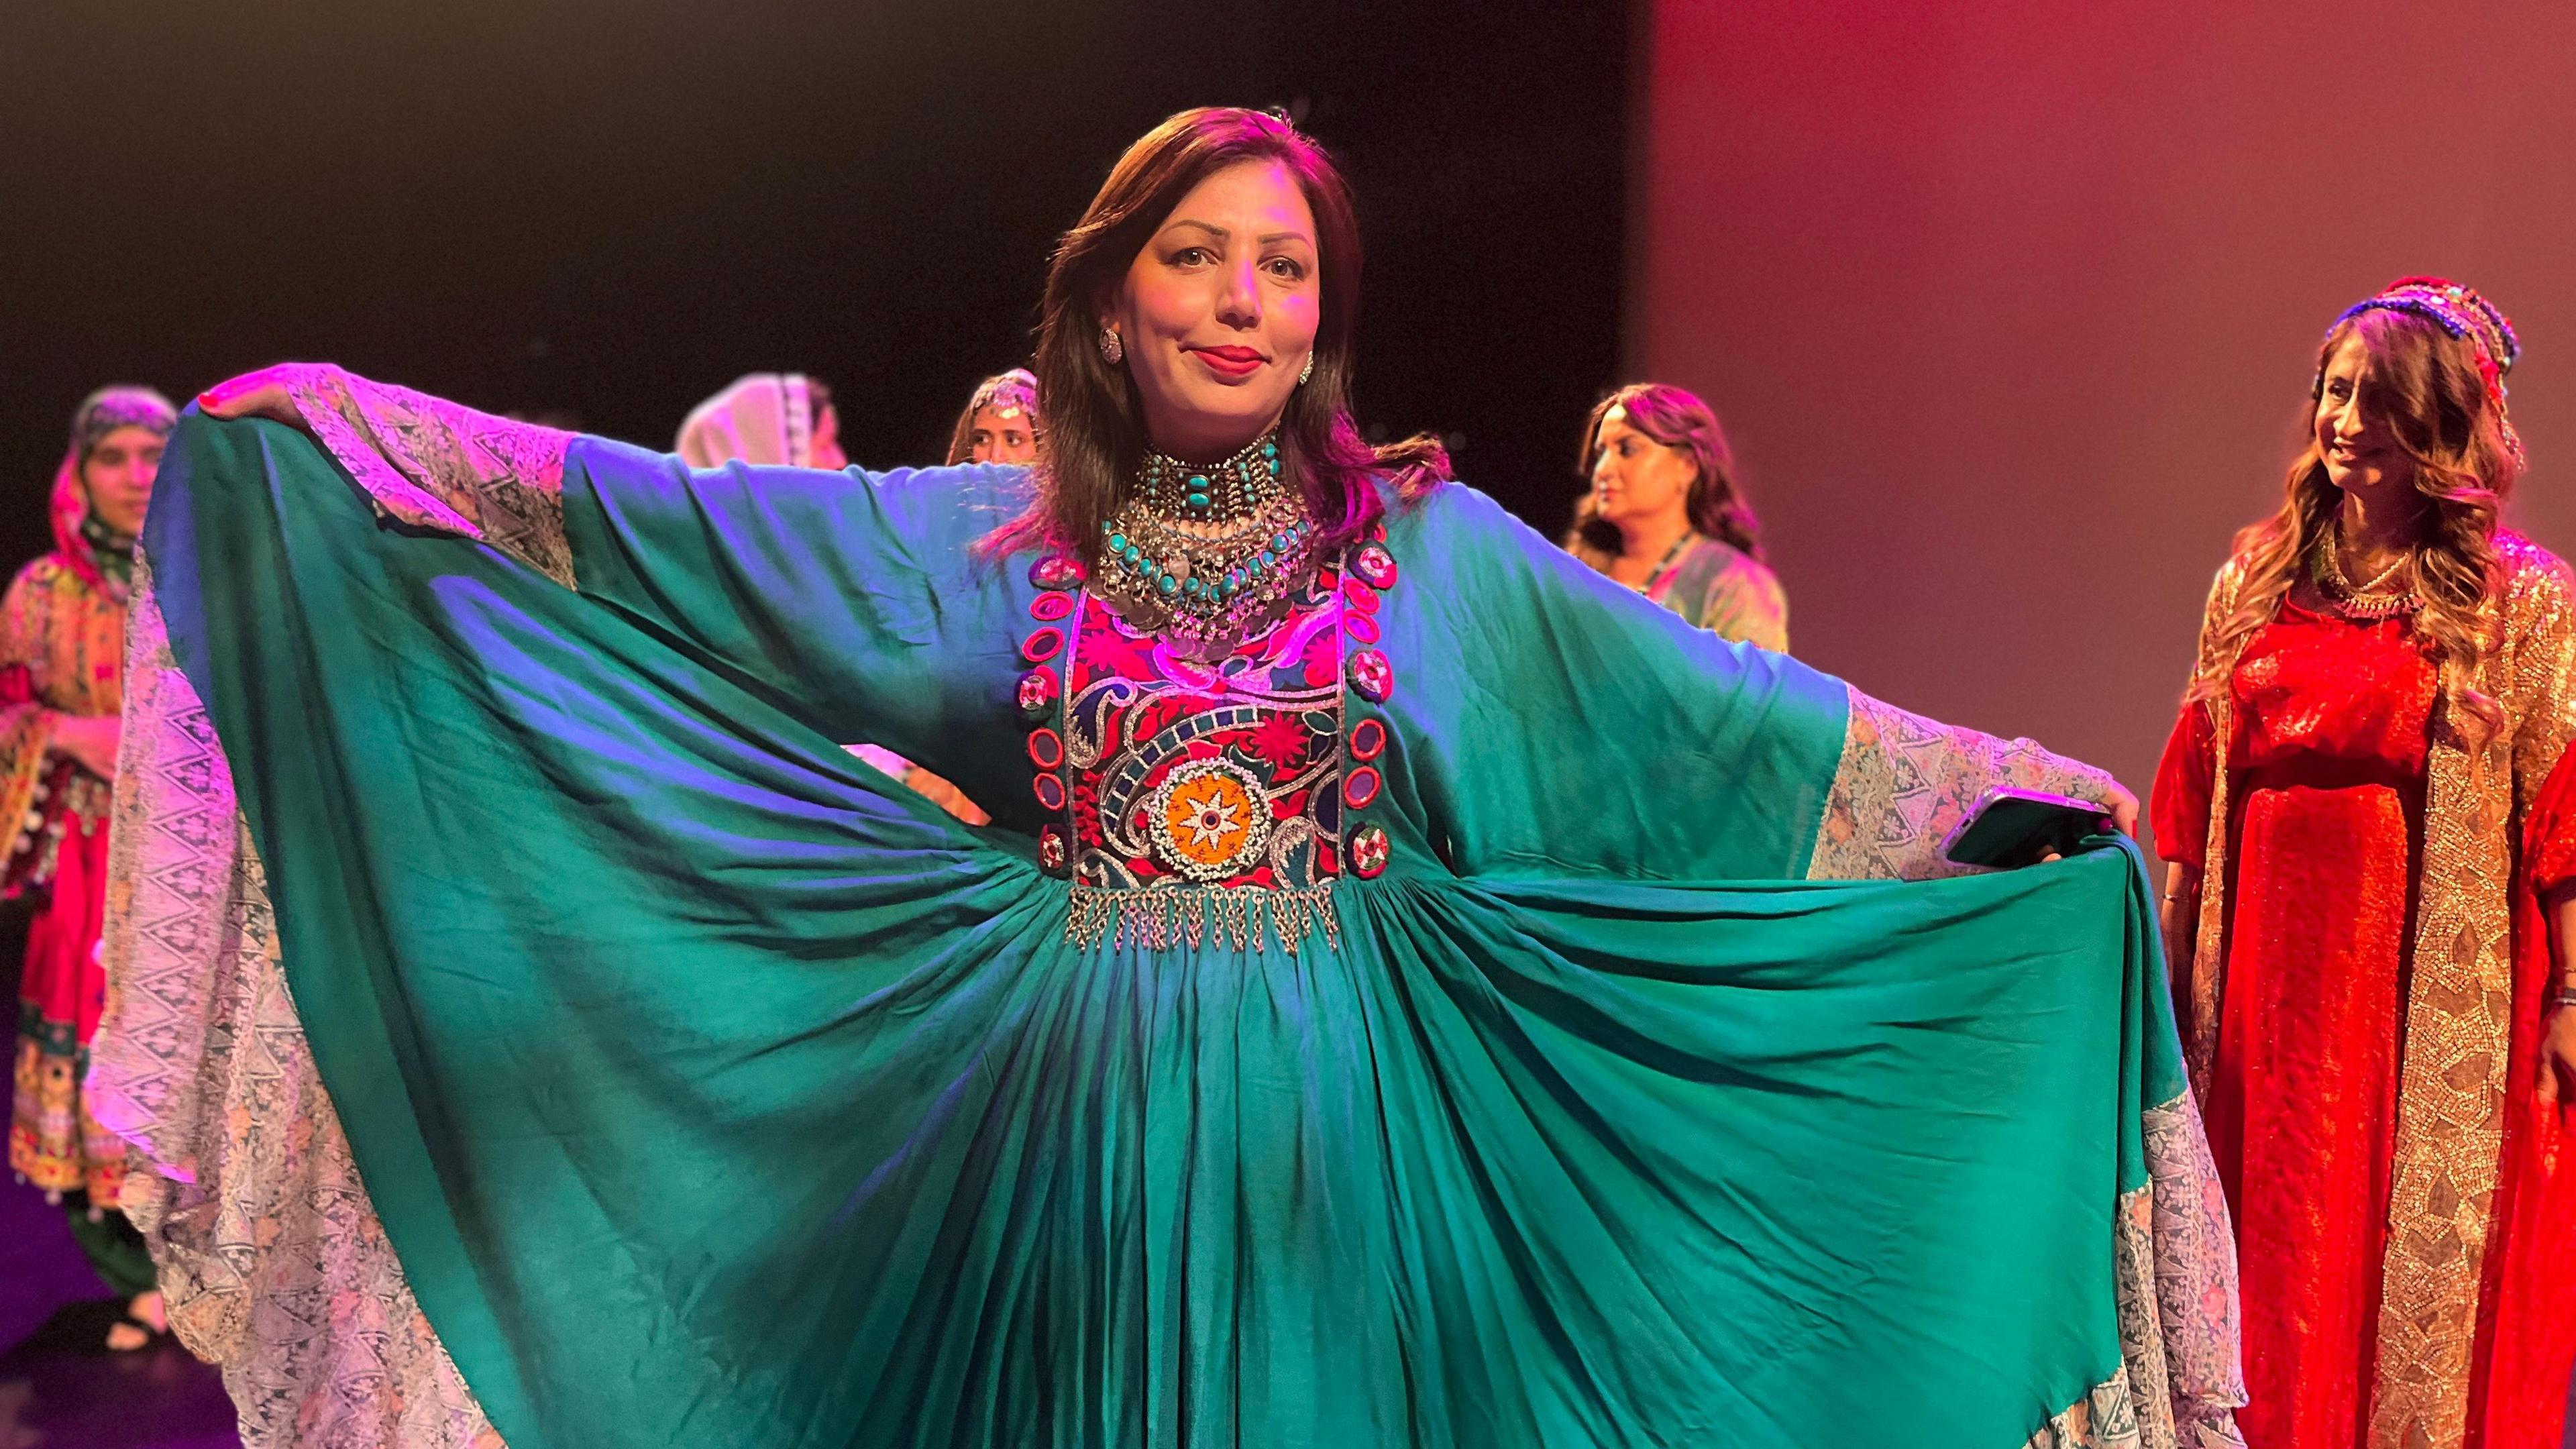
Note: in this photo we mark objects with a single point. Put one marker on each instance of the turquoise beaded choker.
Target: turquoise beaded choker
(1219, 493)
(1203, 553)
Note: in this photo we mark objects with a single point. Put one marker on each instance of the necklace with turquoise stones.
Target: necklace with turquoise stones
(1202, 553)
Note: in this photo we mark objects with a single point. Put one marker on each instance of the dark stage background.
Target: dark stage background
(2011, 307)
(614, 207)
(2008, 304)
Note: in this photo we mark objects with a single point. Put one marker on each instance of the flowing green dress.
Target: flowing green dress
(532, 1023)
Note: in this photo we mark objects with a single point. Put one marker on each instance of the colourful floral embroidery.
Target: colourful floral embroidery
(1186, 772)
(1199, 795)
(1209, 818)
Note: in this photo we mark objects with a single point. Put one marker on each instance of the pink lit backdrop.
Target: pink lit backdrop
(2009, 307)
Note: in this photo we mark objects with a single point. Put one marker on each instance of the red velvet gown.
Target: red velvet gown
(2332, 721)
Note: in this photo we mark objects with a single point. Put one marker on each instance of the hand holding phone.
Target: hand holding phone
(2010, 827)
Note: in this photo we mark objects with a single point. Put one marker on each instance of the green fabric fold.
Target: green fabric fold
(714, 1090)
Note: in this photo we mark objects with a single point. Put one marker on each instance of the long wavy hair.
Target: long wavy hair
(2429, 387)
(1675, 418)
(1095, 437)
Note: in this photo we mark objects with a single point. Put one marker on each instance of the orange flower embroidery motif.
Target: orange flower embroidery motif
(1209, 819)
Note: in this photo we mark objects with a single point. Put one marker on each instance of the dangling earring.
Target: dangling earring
(1306, 374)
(1112, 351)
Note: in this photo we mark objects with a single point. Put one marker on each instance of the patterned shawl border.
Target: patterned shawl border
(2174, 1264)
(272, 1259)
(2105, 1418)
(429, 463)
(1904, 781)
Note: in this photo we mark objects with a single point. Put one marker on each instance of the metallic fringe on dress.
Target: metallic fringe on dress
(1242, 917)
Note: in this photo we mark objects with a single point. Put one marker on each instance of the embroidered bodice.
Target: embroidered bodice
(1184, 781)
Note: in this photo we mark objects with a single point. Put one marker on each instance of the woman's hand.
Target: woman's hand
(90, 740)
(2558, 1063)
(946, 796)
(2178, 918)
(2123, 807)
(261, 394)
(2116, 802)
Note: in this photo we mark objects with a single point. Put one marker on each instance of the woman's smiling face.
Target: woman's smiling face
(1218, 313)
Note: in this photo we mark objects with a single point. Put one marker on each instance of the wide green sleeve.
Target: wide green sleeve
(1551, 723)
(860, 601)
(1555, 724)
(856, 602)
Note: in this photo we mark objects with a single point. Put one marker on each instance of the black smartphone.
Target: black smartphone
(2018, 827)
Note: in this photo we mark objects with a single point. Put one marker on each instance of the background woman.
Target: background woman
(1667, 516)
(62, 650)
(765, 417)
(2368, 809)
(1337, 1038)
(1000, 423)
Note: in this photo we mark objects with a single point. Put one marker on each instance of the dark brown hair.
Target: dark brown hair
(2427, 385)
(1677, 419)
(1095, 438)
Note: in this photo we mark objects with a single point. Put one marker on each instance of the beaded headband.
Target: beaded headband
(111, 408)
(1015, 391)
(2460, 312)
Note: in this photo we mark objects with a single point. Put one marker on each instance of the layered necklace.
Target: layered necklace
(1201, 554)
(2363, 601)
(1664, 566)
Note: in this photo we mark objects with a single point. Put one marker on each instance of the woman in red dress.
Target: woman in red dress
(2372, 832)
(62, 652)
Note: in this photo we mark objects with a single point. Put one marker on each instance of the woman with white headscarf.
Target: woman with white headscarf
(765, 418)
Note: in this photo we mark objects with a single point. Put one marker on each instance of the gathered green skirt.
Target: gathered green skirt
(715, 1092)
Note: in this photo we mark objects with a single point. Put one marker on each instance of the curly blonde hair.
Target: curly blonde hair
(2435, 388)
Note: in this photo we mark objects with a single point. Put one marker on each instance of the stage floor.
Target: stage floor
(59, 1387)
(58, 1391)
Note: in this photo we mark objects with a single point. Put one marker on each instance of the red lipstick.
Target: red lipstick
(1231, 363)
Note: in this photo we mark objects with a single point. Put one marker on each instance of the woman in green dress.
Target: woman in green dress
(1667, 516)
(1412, 991)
